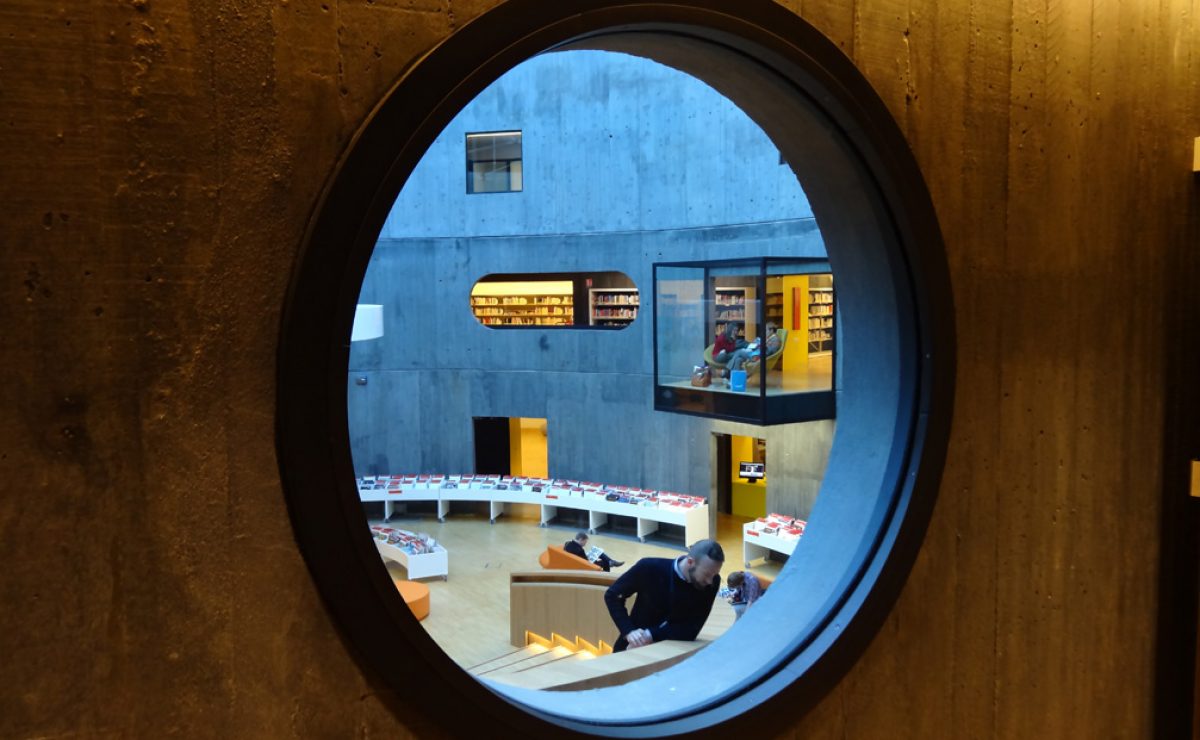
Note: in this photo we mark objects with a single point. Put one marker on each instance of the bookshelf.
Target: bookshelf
(773, 308)
(820, 320)
(523, 310)
(730, 305)
(612, 306)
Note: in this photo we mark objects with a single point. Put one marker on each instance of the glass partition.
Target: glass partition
(752, 340)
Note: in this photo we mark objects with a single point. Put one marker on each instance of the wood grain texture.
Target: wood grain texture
(162, 159)
(1040, 161)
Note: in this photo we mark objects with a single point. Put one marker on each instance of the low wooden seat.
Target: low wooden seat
(556, 558)
(416, 595)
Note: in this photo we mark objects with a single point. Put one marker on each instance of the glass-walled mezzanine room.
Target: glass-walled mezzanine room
(768, 331)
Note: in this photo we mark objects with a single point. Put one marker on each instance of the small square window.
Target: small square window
(494, 162)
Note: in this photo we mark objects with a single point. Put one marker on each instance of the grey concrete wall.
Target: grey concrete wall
(436, 367)
(611, 143)
(626, 163)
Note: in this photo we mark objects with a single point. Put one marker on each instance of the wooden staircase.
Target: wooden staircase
(579, 671)
(558, 663)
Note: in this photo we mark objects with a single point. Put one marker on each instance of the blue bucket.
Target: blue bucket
(737, 380)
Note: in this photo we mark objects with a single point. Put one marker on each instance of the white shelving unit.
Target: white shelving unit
(613, 306)
(758, 544)
(425, 565)
(544, 494)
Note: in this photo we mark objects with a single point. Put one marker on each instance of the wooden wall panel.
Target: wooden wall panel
(161, 160)
(1057, 429)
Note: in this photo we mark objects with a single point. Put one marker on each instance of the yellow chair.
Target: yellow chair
(772, 359)
(751, 365)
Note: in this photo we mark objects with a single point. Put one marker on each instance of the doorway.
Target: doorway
(528, 456)
(748, 476)
(492, 445)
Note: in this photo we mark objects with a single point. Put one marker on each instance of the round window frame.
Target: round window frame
(312, 427)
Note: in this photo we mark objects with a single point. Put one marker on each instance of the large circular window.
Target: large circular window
(893, 395)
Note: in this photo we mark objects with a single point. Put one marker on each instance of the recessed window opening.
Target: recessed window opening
(580, 300)
(423, 399)
(494, 162)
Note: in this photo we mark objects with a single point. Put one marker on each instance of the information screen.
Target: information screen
(752, 470)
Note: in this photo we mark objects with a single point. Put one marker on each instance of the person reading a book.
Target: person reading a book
(579, 548)
(727, 344)
(738, 358)
(674, 596)
(744, 590)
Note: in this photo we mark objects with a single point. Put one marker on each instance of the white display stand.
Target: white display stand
(757, 544)
(391, 497)
(425, 565)
(693, 519)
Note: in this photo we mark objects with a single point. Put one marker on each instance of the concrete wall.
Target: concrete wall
(161, 159)
(626, 163)
(436, 367)
(610, 143)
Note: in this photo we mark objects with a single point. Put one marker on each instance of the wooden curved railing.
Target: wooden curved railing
(563, 602)
(568, 606)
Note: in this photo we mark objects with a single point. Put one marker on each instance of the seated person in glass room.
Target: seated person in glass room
(744, 590)
(727, 344)
(737, 359)
(579, 548)
(674, 596)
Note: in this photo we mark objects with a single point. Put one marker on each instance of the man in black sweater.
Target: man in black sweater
(674, 597)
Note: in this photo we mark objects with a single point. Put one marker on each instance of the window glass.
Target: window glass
(751, 340)
(494, 162)
(603, 300)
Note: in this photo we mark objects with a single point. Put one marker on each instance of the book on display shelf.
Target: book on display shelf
(780, 525)
(552, 488)
(414, 543)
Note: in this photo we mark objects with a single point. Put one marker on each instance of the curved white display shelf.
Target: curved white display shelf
(650, 508)
(417, 564)
(773, 533)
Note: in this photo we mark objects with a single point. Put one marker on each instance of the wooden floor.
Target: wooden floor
(468, 614)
